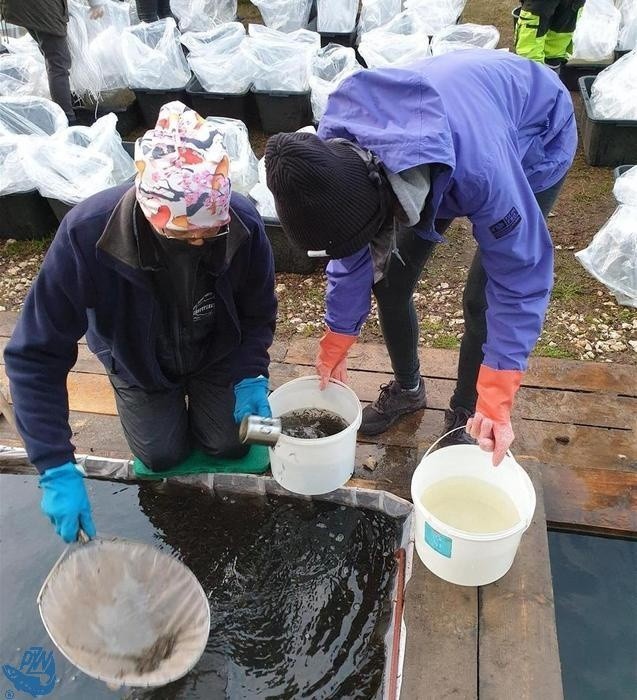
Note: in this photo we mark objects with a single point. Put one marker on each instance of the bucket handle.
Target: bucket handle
(453, 430)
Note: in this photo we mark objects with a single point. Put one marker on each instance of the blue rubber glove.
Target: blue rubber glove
(251, 398)
(65, 501)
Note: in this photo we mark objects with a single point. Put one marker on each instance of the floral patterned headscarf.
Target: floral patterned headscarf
(182, 178)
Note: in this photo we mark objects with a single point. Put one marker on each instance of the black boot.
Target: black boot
(456, 418)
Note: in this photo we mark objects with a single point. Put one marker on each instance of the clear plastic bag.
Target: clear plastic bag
(153, 56)
(25, 44)
(614, 91)
(398, 42)
(116, 15)
(436, 14)
(13, 177)
(203, 15)
(337, 16)
(284, 15)
(375, 13)
(86, 72)
(102, 137)
(106, 51)
(243, 162)
(218, 59)
(625, 189)
(23, 75)
(611, 257)
(280, 61)
(30, 116)
(328, 68)
(464, 36)
(597, 31)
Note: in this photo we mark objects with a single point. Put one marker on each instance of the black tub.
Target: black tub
(151, 101)
(607, 142)
(218, 104)
(128, 117)
(283, 111)
(621, 170)
(572, 72)
(26, 215)
(342, 38)
(287, 258)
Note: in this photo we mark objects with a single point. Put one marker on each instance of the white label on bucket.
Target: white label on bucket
(437, 541)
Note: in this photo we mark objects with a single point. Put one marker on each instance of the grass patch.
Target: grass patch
(545, 350)
(446, 341)
(567, 290)
(37, 246)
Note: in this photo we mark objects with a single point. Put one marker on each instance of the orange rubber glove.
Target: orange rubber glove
(491, 423)
(331, 360)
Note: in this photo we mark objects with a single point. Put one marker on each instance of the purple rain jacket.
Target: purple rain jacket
(499, 128)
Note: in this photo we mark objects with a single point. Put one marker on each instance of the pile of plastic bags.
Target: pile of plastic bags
(38, 150)
(280, 61)
(328, 68)
(217, 57)
(285, 15)
(203, 15)
(402, 40)
(153, 56)
(614, 91)
(611, 257)
(597, 31)
(464, 36)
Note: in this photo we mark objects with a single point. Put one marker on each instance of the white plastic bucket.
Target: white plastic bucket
(465, 558)
(313, 467)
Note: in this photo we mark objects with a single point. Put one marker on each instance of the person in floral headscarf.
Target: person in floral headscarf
(172, 282)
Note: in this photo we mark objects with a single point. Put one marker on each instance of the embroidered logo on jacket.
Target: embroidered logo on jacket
(507, 224)
(204, 308)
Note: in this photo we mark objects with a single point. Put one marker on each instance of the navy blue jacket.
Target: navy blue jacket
(91, 283)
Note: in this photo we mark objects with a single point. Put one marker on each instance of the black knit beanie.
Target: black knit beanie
(329, 195)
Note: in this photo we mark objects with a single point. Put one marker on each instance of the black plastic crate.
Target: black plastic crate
(25, 215)
(151, 101)
(218, 104)
(283, 111)
(621, 170)
(342, 38)
(287, 258)
(571, 73)
(59, 208)
(620, 52)
(607, 142)
(128, 118)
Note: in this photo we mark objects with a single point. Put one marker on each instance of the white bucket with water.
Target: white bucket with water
(461, 557)
(315, 466)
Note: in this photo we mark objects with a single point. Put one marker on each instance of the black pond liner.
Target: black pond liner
(128, 118)
(26, 215)
(287, 258)
(218, 104)
(281, 110)
(607, 142)
(151, 101)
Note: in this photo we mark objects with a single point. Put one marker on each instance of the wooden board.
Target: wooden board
(518, 650)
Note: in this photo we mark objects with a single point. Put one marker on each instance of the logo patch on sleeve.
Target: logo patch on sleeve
(507, 224)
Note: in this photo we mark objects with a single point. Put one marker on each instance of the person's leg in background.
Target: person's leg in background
(465, 396)
(559, 38)
(532, 27)
(147, 10)
(57, 59)
(400, 328)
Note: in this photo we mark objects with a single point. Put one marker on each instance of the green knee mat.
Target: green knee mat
(256, 461)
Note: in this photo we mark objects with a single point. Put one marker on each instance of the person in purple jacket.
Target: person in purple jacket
(400, 152)
(172, 281)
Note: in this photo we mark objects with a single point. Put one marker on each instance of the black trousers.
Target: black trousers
(399, 321)
(162, 427)
(57, 59)
(152, 10)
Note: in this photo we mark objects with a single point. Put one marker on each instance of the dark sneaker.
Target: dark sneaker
(456, 418)
(392, 403)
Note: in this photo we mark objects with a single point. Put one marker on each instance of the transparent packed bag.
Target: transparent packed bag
(597, 31)
(628, 25)
(102, 137)
(436, 14)
(13, 176)
(398, 42)
(336, 16)
(375, 13)
(30, 116)
(106, 51)
(116, 16)
(464, 36)
(284, 15)
(328, 68)
(86, 72)
(203, 15)
(611, 257)
(625, 188)
(23, 75)
(68, 172)
(280, 61)
(614, 91)
(243, 162)
(218, 58)
(153, 56)
(12, 31)
(22, 45)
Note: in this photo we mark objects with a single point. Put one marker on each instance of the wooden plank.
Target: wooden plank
(544, 372)
(518, 650)
(442, 638)
(552, 405)
(7, 322)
